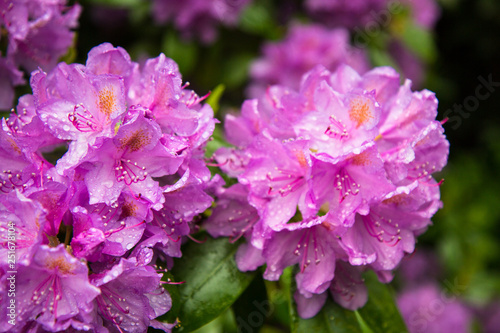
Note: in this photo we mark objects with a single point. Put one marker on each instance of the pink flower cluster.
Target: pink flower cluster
(335, 177)
(38, 34)
(131, 177)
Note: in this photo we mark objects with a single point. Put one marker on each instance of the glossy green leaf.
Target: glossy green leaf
(216, 142)
(173, 290)
(213, 281)
(380, 313)
(252, 307)
(332, 318)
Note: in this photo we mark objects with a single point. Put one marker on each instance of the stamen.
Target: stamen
(382, 229)
(345, 185)
(83, 120)
(337, 129)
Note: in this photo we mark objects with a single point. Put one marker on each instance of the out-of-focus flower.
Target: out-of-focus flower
(198, 17)
(304, 47)
(39, 33)
(428, 309)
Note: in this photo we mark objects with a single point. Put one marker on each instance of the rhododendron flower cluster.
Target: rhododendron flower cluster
(90, 228)
(335, 177)
(38, 34)
(199, 17)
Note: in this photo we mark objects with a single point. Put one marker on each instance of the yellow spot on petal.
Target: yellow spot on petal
(327, 226)
(14, 146)
(361, 159)
(107, 101)
(360, 110)
(117, 126)
(300, 157)
(136, 141)
(397, 200)
(60, 264)
(378, 137)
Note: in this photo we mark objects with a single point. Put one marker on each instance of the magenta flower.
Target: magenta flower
(27, 218)
(125, 193)
(340, 175)
(53, 290)
(78, 107)
(128, 293)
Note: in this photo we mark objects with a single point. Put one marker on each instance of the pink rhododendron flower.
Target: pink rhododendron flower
(338, 180)
(124, 193)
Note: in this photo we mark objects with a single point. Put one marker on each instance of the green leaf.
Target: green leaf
(185, 54)
(173, 290)
(213, 281)
(380, 313)
(216, 142)
(117, 3)
(235, 69)
(214, 97)
(252, 307)
(419, 41)
(380, 57)
(332, 318)
(256, 19)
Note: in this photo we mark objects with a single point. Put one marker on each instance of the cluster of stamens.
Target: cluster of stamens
(12, 181)
(290, 178)
(192, 98)
(303, 248)
(83, 120)
(382, 229)
(109, 301)
(345, 185)
(51, 284)
(129, 172)
(337, 129)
